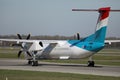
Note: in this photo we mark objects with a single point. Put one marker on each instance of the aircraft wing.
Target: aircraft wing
(49, 41)
(16, 40)
(31, 41)
(111, 41)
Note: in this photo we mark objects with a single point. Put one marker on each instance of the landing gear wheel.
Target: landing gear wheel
(29, 61)
(91, 63)
(34, 63)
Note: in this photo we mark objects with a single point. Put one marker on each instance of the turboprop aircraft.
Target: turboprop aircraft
(35, 50)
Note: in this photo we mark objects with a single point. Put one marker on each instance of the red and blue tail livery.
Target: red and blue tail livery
(95, 42)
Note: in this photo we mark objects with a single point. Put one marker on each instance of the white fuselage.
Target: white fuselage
(62, 50)
(69, 53)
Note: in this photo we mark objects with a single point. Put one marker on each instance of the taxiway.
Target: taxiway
(18, 64)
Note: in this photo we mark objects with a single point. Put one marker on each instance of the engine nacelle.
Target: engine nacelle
(36, 46)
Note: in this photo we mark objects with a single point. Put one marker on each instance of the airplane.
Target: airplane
(35, 50)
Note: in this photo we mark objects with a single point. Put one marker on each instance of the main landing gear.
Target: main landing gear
(91, 63)
(33, 61)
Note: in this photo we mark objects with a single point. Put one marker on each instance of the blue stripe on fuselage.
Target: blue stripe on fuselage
(94, 42)
(90, 46)
(98, 36)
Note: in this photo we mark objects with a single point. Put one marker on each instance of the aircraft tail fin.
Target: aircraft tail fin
(100, 33)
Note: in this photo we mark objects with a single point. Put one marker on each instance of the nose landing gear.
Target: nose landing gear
(33, 61)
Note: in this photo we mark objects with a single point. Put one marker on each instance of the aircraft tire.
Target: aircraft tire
(29, 62)
(34, 63)
(91, 63)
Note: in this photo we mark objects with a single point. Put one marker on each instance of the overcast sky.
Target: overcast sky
(55, 17)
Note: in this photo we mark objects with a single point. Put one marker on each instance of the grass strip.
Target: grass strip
(34, 75)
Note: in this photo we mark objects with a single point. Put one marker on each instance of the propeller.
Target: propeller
(19, 36)
(41, 44)
(23, 49)
(78, 36)
(19, 53)
(23, 46)
(28, 37)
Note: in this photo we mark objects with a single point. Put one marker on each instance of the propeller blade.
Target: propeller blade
(41, 44)
(28, 53)
(78, 36)
(28, 37)
(19, 53)
(19, 36)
